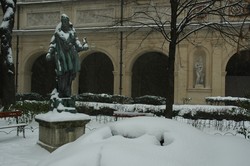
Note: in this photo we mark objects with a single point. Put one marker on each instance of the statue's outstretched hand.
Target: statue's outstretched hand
(48, 56)
(85, 45)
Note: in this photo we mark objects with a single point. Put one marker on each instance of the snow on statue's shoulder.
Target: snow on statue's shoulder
(54, 116)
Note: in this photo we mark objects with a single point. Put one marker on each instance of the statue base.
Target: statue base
(54, 133)
(199, 86)
(64, 104)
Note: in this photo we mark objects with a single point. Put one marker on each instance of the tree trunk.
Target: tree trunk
(170, 82)
(171, 61)
(7, 69)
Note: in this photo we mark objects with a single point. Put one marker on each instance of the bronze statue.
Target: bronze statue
(64, 48)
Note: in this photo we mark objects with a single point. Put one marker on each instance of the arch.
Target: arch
(139, 53)
(237, 81)
(43, 76)
(25, 67)
(149, 75)
(228, 56)
(96, 75)
(31, 58)
(84, 55)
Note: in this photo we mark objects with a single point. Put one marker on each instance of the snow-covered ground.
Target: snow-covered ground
(129, 142)
(19, 151)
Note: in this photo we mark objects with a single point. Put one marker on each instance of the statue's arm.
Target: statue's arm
(51, 50)
(85, 44)
(81, 47)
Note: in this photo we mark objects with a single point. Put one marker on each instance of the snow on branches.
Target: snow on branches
(7, 68)
(8, 8)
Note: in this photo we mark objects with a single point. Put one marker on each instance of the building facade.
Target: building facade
(122, 60)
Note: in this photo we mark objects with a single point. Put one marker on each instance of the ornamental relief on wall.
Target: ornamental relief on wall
(95, 17)
(43, 19)
(146, 13)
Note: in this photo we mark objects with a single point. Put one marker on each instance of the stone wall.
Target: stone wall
(93, 19)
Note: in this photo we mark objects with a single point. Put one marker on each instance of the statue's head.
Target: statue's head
(65, 22)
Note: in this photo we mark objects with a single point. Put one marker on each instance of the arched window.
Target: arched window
(96, 74)
(150, 75)
(43, 76)
(238, 75)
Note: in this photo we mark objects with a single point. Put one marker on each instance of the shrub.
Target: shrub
(233, 114)
(103, 98)
(32, 108)
(90, 97)
(29, 96)
(122, 99)
(244, 104)
(244, 131)
(94, 112)
(152, 100)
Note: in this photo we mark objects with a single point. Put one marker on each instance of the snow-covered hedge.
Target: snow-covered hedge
(235, 101)
(31, 107)
(30, 96)
(153, 100)
(228, 100)
(103, 98)
(186, 111)
(106, 104)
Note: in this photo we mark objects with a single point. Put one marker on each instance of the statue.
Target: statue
(63, 49)
(199, 71)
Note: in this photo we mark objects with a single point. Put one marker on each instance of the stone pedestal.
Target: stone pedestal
(64, 104)
(55, 132)
(199, 86)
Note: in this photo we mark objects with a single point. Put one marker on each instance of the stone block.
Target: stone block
(55, 134)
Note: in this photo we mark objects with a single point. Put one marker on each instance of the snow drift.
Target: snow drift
(151, 141)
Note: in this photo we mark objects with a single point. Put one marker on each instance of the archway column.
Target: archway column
(24, 79)
(127, 84)
(223, 83)
(216, 73)
(116, 82)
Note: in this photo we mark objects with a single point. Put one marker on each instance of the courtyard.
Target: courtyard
(142, 138)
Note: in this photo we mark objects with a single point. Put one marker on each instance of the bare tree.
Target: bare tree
(7, 69)
(179, 19)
